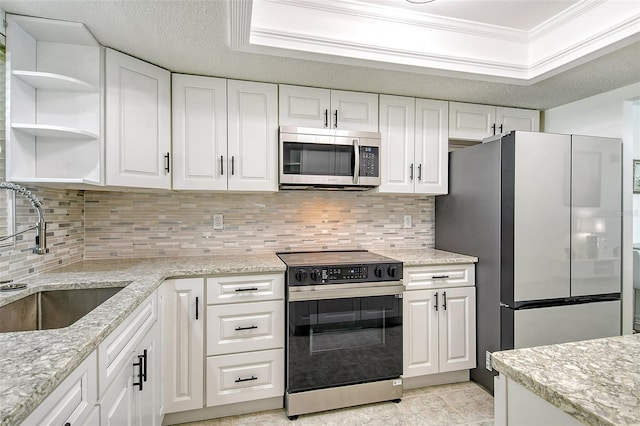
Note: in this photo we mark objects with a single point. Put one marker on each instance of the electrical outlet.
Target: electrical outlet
(218, 221)
(407, 221)
(488, 361)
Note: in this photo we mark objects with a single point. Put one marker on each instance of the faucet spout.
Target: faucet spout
(40, 226)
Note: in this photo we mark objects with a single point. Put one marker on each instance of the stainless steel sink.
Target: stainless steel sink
(51, 309)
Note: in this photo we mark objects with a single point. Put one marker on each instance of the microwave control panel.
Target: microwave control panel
(369, 161)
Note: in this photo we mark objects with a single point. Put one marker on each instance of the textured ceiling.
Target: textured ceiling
(192, 37)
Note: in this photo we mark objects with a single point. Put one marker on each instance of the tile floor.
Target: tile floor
(455, 404)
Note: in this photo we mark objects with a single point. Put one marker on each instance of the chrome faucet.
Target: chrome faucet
(40, 226)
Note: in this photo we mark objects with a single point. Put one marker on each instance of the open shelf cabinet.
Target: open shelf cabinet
(56, 96)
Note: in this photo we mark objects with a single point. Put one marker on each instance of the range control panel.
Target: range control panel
(338, 274)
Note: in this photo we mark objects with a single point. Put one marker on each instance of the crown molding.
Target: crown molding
(432, 44)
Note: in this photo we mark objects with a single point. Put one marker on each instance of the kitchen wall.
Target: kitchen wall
(164, 223)
(63, 212)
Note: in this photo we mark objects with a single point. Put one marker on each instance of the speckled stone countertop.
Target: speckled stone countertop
(34, 363)
(426, 257)
(595, 381)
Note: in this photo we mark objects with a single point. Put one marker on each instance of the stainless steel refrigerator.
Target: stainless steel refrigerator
(542, 212)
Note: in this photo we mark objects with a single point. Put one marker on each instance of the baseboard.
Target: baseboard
(223, 411)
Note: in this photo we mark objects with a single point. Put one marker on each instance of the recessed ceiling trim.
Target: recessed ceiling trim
(368, 11)
(370, 52)
(381, 34)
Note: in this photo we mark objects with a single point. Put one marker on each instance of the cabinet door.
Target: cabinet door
(116, 405)
(138, 135)
(432, 147)
(148, 400)
(508, 119)
(253, 136)
(457, 328)
(354, 111)
(420, 333)
(304, 106)
(397, 115)
(199, 143)
(470, 121)
(183, 344)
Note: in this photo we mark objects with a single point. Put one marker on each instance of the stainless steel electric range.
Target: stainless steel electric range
(344, 337)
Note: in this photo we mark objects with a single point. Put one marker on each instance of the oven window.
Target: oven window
(339, 342)
(317, 159)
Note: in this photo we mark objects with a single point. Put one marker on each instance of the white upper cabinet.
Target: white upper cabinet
(138, 123)
(397, 128)
(54, 88)
(508, 119)
(432, 141)
(199, 113)
(252, 136)
(323, 108)
(475, 122)
(414, 145)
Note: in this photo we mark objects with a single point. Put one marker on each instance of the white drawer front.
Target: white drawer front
(245, 327)
(245, 377)
(244, 288)
(72, 401)
(114, 352)
(441, 276)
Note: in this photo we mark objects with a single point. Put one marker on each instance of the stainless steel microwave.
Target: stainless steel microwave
(328, 159)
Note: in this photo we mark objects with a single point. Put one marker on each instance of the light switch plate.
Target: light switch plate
(487, 362)
(407, 221)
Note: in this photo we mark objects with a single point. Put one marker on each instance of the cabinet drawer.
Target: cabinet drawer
(114, 352)
(245, 377)
(245, 327)
(244, 288)
(441, 276)
(72, 401)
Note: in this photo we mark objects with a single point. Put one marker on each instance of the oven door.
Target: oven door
(336, 341)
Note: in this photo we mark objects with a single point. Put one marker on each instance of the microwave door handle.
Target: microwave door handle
(356, 167)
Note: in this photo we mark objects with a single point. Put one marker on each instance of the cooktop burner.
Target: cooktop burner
(335, 267)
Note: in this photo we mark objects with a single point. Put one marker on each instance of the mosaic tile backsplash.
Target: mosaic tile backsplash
(64, 213)
(165, 223)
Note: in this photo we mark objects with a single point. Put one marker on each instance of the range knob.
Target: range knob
(392, 271)
(301, 275)
(315, 274)
(379, 271)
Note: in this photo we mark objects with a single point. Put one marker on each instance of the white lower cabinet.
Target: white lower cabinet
(245, 377)
(129, 360)
(439, 330)
(245, 338)
(183, 325)
(73, 402)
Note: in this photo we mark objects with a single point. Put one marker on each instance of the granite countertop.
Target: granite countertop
(34, 363)
(595, 381)
(426, 257)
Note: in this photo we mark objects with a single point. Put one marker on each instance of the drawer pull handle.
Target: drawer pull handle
(247, 289)
(251, 327)
(239, 380)
(440, 277)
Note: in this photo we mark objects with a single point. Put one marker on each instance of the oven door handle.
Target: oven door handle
(394, 288)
